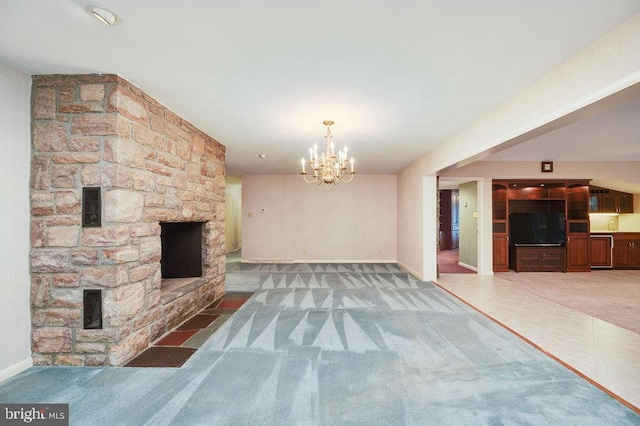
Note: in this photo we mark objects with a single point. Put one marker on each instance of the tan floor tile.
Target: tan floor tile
(607, 354)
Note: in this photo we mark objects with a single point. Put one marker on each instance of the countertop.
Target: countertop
(631, 233)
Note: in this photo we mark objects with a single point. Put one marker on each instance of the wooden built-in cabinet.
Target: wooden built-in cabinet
(578, 237)
(603, 200)
(549, 196)
(537, 190)
(626, 250)
(500, 228)
(444, 219)
(449, 219)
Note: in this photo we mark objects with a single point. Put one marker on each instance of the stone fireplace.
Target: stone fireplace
(111, 168)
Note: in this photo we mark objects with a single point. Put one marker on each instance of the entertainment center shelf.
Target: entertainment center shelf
(544, 205)
(557, 211)
(537, 190)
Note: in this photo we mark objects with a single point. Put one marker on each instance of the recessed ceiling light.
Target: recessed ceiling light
(103, 14)
(262, 155)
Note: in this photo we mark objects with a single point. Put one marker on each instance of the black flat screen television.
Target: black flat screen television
(537, 228)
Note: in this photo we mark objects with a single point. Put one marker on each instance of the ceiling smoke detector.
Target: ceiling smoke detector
(103, 14)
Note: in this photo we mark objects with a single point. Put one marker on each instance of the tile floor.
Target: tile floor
(607, 355)
(176, 347)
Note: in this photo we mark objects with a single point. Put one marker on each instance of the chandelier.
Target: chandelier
(328, 168)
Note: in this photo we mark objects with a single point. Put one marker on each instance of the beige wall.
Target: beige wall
(286, 219)
(410, 227)
(468, 245)
(15, 139)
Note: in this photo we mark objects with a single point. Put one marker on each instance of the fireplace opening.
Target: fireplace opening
(92, 309)
(181, 249)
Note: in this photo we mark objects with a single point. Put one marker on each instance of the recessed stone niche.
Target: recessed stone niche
(152, 167)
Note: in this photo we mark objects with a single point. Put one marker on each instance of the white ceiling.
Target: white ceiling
(612, 135)
(398, 78)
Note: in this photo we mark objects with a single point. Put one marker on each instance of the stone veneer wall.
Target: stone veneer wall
(152, 166)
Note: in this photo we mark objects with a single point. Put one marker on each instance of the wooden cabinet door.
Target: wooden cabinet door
(578, 253)
(577, 200)
(600, 252)
(621, 253)
(634, 254)
(500, 254)
(625, 203)
(445, 219)
(609, 203)
(595, 203)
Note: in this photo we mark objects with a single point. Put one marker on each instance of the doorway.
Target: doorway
(449, 219)
(457, 227)
(233, 217)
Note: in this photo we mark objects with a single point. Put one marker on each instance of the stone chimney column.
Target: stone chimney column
(151, 166)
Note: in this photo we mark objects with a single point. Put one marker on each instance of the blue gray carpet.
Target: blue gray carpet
(336, 344)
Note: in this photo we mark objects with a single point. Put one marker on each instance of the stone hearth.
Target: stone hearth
(151, 166)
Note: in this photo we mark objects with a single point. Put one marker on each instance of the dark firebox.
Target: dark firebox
(181, 249)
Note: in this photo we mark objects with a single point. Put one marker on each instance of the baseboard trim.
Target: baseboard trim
(345, 261)
(291, 261)
(16, 369)
(411, 271)
(464, 265)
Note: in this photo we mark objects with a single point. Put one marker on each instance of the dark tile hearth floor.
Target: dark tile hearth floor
(176, 347)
